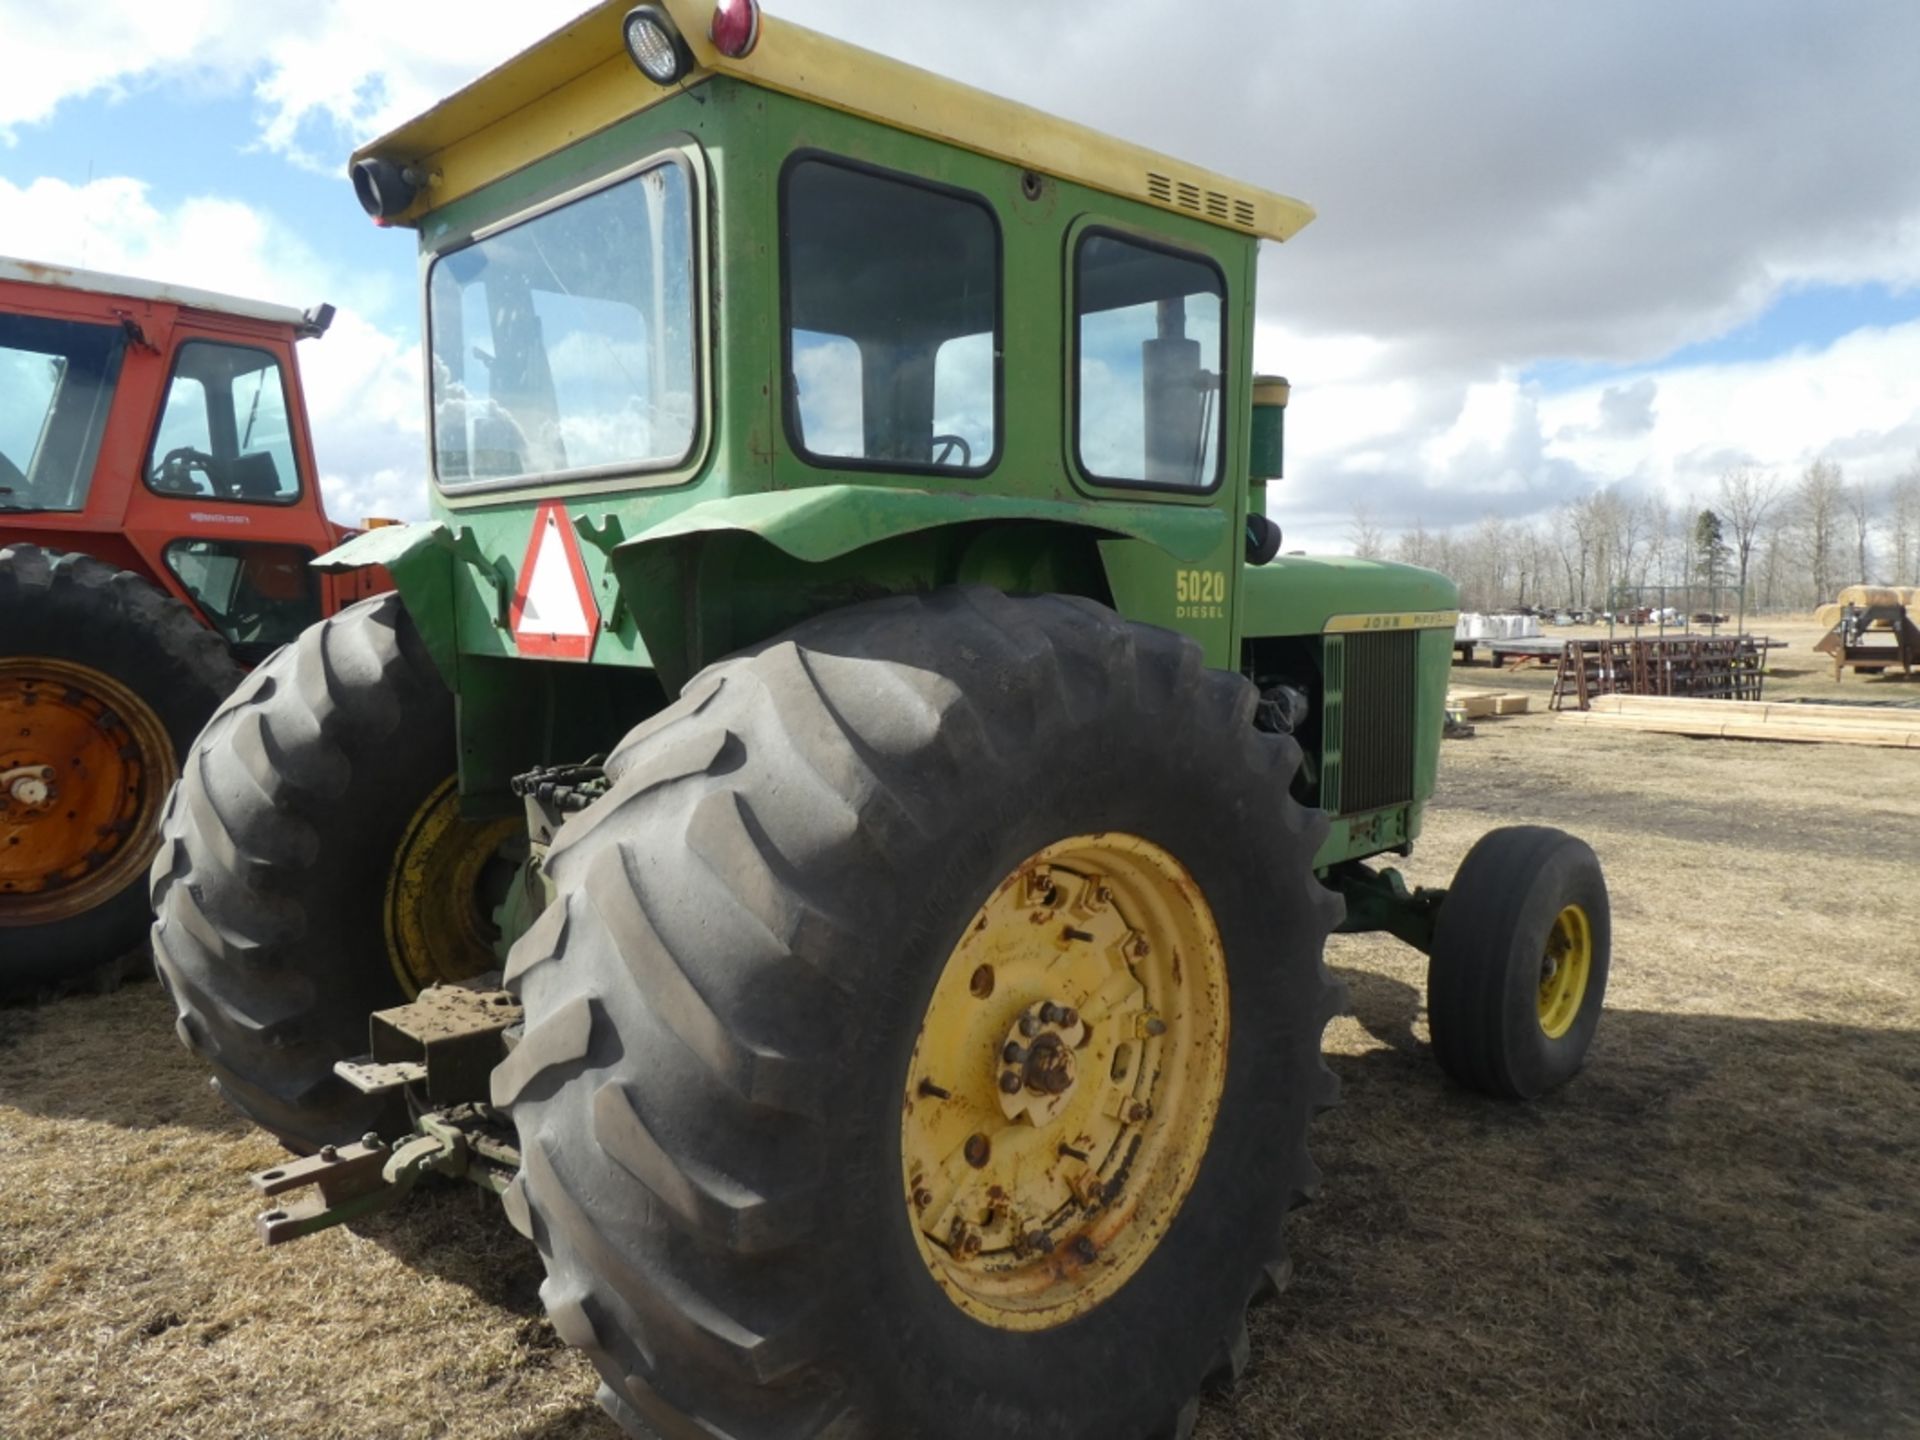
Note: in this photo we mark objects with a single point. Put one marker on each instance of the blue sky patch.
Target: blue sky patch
(1808, 317)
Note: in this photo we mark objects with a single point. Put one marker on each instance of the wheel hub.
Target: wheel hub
(29, 786)
(1038, 1070)
(1064, 1083)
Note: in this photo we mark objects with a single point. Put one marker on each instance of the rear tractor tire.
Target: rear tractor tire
(104, 682)
(924, 1037)
(1518, 972)
(314, 869)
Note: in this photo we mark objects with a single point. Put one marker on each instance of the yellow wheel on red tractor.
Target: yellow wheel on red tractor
(316, 868)
(930, 1012)
(103, 683)
(1518, 971)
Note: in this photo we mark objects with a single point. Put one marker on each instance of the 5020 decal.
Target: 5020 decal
(1200, 594)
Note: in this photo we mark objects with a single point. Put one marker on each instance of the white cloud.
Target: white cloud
(1498, 186)
(362, 383)
(325, 76)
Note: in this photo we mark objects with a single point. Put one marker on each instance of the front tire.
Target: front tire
(727, 1001)
(295, 819)
(1518, 972)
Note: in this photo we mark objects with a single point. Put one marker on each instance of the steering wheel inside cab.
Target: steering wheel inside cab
(174, 474)
(945, 447)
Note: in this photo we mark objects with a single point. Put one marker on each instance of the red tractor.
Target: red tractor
(158, 507)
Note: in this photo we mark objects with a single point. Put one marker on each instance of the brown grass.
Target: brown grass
(1714, 1232)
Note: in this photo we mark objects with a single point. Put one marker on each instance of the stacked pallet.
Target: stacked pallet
(1753, 720)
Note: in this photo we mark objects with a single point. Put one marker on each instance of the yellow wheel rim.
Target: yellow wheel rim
(84, 768)
(439, 917)
(1564, 970)
(1064, 1086)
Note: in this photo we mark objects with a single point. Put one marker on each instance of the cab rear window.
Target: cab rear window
(565, 343)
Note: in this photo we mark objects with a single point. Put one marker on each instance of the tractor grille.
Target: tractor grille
(1375, 722)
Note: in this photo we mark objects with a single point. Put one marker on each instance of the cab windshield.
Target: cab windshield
(565, 343)
(56, 384)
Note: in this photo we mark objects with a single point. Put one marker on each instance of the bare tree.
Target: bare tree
(1859, 503)
(1904, 526)
(1366, 539)
(1816, 505)
(1747, 498)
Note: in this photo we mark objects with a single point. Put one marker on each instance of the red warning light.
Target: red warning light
(736, 27)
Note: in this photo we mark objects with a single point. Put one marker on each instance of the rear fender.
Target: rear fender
(729, 572)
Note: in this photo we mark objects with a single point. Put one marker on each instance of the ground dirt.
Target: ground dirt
(1713, 1232)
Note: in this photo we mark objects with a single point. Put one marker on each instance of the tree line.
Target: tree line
(1760, 542)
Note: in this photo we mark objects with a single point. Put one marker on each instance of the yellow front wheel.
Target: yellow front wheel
(1518, 971)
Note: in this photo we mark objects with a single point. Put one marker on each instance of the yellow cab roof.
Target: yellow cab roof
(579, 80)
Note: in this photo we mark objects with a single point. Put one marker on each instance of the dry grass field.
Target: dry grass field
(1714, 1232)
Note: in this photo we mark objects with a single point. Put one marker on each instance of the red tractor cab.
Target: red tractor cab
(158, 510)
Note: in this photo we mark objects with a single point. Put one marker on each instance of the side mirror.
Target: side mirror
(1263, 539)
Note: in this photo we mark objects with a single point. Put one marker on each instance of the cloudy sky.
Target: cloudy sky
(1559, 246)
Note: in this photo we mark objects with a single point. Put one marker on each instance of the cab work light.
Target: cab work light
(655, 44)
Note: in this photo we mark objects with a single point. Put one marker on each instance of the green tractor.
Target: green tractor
(840, 820)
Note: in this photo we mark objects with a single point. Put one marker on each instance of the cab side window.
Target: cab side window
(1149, 331)
(891, 288)
(224, 431)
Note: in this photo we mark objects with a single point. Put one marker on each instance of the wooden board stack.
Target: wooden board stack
(1754, 720)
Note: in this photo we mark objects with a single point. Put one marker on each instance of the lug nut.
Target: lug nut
(1029, 1026)
(979, 1150)
(922, 1197)
(1041, 1241)
(1085, 1250)
(1009, 1083)
(1014, 1054)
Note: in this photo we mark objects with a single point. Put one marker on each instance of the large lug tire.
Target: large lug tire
(1518, 972)
(279, 853)
(104, 682)
(726, 999)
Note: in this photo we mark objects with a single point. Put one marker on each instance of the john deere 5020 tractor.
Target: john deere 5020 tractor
(840, 822)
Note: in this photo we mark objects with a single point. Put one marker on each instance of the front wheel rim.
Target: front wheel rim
(84, 768)
(1565, 969)
(1065, 1081)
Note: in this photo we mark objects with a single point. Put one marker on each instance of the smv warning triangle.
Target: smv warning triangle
(554, 614)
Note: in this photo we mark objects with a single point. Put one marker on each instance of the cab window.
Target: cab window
(259, 596)
(56, 386)
(224, 429)
(565, 343)
(891, 291)
(1149, 330)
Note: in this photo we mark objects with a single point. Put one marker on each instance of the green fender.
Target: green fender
(421, 559)
(693, 554)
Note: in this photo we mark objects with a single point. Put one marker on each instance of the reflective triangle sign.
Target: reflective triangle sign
(554, 615)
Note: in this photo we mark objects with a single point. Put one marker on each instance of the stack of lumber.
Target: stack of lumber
(1481, 704)
(1754, 720)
